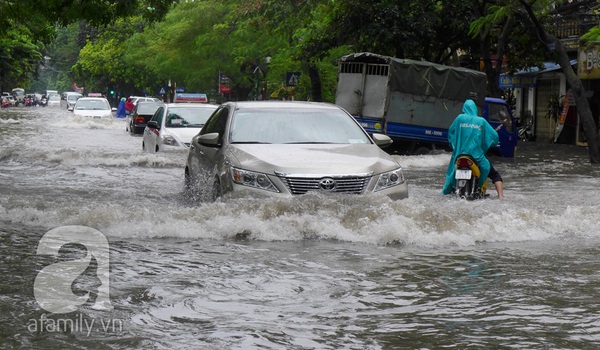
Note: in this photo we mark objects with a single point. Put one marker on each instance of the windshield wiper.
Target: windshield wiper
(253, 142)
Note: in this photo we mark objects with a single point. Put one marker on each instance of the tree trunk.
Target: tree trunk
(315, 83)
(583, 106)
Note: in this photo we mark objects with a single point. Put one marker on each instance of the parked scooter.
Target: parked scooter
(467, 179)
(525, 133)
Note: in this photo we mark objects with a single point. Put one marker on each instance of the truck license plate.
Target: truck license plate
(462, 174)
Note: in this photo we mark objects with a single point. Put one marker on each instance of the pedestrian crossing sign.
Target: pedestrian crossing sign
(292, 78)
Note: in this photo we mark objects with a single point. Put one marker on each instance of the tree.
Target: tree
(27, 26)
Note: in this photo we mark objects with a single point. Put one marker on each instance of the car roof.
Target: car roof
(150, 103)
(91, 98)
(192, 104)
(283, 104)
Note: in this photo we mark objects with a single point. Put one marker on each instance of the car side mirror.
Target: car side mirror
(382, 140)
(210, 140)
(153, 124)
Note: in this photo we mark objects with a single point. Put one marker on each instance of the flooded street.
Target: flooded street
(310, 272)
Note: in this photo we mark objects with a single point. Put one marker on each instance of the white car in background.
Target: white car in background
(93, 107)
(173, 126)
(136, 99)
(53, 100)
(71, 98)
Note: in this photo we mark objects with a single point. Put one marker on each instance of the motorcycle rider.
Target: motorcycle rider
(473, 135)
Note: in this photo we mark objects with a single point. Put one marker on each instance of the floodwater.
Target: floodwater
(311, 272)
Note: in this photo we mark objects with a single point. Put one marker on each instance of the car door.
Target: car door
(203, 159)
(151, 134)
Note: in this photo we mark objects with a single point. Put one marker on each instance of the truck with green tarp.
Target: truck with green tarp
(414, 102)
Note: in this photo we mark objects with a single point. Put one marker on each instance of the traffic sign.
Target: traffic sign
(292, 78)
(162, 91)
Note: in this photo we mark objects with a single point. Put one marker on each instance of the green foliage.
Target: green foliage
(27, 27)
(593, 35)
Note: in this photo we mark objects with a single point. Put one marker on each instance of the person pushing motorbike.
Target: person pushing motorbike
(473, 135)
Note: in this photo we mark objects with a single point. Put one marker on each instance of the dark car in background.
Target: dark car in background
(138, 118)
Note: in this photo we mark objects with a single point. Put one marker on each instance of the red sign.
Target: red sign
(224, 89)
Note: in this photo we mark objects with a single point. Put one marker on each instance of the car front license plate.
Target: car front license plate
(462, 174)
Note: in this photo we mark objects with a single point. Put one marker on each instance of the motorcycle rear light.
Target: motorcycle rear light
(464, 162)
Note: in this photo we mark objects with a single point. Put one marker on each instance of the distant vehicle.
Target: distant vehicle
(19, 95)
(53, 100)
(138, 118)
(71, 98)
(173, 125)
(7, 101)
(136, 99)
(51, 92)
(289, 148)
(93, 107)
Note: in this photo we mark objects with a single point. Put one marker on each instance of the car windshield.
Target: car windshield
(147, 108)
(295, 126)
(92, 105)
(54, 98)
(181, 117)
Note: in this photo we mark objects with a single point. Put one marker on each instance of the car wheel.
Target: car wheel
(216, 190)
(191, 192)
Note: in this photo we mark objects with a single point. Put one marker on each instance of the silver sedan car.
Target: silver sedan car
(289, 148)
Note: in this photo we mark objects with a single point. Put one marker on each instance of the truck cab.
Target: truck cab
(497, 113)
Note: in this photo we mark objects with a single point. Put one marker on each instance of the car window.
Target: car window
(295, 126)
(187, 117)
(146, 108)
(217, 123)
(498, 113)
(157, 117)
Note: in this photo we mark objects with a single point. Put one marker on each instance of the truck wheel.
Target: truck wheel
(421, 150)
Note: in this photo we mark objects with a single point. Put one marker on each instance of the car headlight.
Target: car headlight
(170, 141)
(252, 179)
(389, 179)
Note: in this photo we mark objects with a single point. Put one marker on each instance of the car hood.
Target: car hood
(313, 159)
(184, 135)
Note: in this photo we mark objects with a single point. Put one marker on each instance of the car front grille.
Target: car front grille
(355, 184)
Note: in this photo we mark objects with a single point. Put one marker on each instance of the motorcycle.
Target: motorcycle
(467, 175)
(525, 133)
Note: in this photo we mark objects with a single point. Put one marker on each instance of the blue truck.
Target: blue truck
(414, 102)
